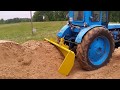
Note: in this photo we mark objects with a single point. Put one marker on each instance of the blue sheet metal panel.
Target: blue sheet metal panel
(87, 17)
(71, 14)
(65, 30)
(76, 30)
(83, 32)
(113, 26)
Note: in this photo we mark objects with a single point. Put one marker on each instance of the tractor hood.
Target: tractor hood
(113, 26)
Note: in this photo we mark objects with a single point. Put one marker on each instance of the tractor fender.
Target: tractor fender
(83, 32)
(64, 30)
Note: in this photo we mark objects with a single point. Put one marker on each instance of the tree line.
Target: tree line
(50, 16)
(14, 20)
(114, 16)
(40, 16)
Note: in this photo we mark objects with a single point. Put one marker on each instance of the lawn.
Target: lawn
(22, 32)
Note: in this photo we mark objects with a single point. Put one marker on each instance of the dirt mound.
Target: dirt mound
(33, 59)
(40, 59)
(110, 71)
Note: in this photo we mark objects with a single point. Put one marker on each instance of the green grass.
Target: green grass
(22, 32)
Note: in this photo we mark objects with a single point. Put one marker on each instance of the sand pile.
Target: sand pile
(41, 60)
(33, 59)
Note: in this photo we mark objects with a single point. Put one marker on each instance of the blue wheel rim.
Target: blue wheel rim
(99, 50)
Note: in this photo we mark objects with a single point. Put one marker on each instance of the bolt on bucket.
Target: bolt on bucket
(69, 55)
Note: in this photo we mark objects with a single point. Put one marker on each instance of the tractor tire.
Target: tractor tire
(96, 49)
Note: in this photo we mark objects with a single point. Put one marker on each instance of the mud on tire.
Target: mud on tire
(83, 47)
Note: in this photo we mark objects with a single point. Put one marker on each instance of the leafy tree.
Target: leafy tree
(50, 15)
(2, 21)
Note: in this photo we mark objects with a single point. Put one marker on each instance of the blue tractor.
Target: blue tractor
(90, 36)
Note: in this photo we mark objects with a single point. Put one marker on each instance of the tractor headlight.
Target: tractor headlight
(85, 24)
(70, 19)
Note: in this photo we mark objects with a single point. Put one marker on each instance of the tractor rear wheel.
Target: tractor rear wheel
(96, 49)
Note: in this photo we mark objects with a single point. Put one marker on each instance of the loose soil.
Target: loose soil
(41, 60)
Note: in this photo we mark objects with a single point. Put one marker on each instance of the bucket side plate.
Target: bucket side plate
(68, 62)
